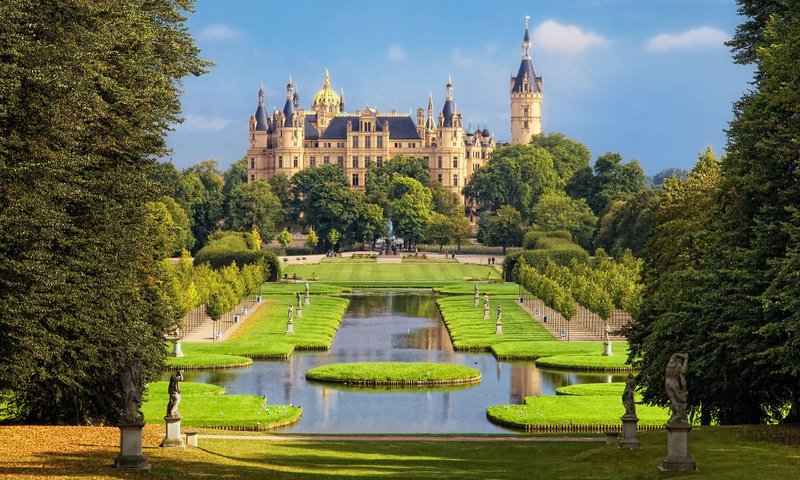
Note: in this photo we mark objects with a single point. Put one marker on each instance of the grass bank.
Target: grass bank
(401, 374)
(205, 405)
(468, 288)
(28, 452)
(588, 363)
(381, 274)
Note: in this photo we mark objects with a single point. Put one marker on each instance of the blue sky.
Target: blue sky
(651, 79)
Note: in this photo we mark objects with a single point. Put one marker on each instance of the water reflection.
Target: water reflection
(398, 326)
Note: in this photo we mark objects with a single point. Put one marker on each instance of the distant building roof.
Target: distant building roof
(526, 68)
(311, 133)
(400, 127)
(288, 110)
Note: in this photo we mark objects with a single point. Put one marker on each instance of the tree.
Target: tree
(183, 233)
(235, 175)
(324, 197)
(312, 239)
(503, 229)
(459, 229)
(161, 227)
(410, 206)
(204, 197)
(658, 178)
(85, 108)
(333, 237)
(439, 230)
(515, 176)
(628, 224)
(569, 156)
(253, 205)
(285, 238)
(371, 222)
(557, 211)
(609, 181)
(281, 186)
(379, 178)
(445, 201)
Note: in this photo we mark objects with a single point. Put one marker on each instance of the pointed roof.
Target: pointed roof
(449, 109)
(261, 112)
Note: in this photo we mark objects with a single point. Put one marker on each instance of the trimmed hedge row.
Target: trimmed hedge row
(538, 259)
(224, 248)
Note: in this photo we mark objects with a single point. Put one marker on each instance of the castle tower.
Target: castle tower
(326, 104)
(526, 97)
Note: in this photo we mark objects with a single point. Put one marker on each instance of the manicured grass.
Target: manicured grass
(263, 335)
(395, 373)
(590, 363)
(545, 348)
(469, 331)
(735, 453)
(414, 274)
(349, 260)
(197, 360)
(204, 405)
(575, 411)
(289, 286)
(613, 389)
(468, 288)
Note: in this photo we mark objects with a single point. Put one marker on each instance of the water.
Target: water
(403, 326)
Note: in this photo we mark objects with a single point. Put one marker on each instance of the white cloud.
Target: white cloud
(554, 37)
(199, 123)
(217, 33)
(698, 38)
(396, 52)
(461, 59)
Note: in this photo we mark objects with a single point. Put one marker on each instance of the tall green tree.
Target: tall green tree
(609, 180)
(410, 206)
(281, 186)
(324, 197)
(184, 240)
(569, 155)
(558, 211)
(628, 224)
(89, 90)
(439, 230)
(253, 205)
(516, 175)
(503, 229)
(202, 189)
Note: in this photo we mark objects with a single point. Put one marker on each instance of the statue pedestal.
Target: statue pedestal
(486, 314)
(629, 439)
(130, 448)
(498, 328)
(299, 311)
(678, 459)
(308, 299)
(290, 328)
(174, 439)
(476, 302)
(258, 298)
(607, 349)
(176, 349)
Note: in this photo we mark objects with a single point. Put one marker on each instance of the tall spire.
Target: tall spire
(430, 103)
(526, 42)
(449, 88)
(289, 88)
(261, 95)
(327, 82)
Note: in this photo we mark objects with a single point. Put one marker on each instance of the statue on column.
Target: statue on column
(675, 383)
(627, 396)
(174, 391)
(132, 382)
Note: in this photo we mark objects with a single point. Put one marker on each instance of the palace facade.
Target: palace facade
(293, 139)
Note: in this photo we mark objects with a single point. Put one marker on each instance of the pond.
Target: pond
(402, 326)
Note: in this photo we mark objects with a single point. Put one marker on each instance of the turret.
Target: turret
(288, 108)
(526, 97)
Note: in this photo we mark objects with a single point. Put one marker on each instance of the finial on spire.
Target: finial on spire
(527, 17)
(526, 42)
(261, 95)
(327, 82)
(290, 79)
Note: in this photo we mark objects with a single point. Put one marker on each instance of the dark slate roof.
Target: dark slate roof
(288, 110)
(400, 127)
(261, 118)
(527, 37)
(485, 132)
(447, 111)
(311, 133)
(525, 68)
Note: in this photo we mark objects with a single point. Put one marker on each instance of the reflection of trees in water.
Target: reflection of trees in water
(525, 381)
(414, 305)
(434, 338)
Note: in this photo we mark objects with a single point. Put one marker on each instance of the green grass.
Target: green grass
(395, 373)
(468, 288)
(263, 335)
(720, 452)
(595, 362)
(197, 360)
(572, 410)
(613, 389)
(384, 274)
(546, 348)
(204, 405)
(314, 288)
(348, 260)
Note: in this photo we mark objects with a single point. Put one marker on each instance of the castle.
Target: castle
(294, 139)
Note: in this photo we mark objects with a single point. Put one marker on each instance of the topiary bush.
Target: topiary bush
(225, 247)
(532, 239)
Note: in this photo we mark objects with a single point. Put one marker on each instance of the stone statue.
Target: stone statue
(291, 312)
(174, 391)
(606, 332)
(499, 313)
(306, 289)
(476, 289)
(132, 388)
(486, 301)
(627, 396)
(675, 383)
(389, 228)
(299, 298)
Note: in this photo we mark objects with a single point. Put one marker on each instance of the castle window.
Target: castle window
(440, 178)
(252, 177)
(326, 159)
(295, 162)
(295, 143)
(379, 160)
(367, 142)
(316, 144)
(340, 161)
(355, 142)
(525, 126)
(483, 154)
(455, 180)
(525, 112)
(455, 162)
(280, 162)
(355, 162)
(379, 142)
(312, 160)
(355, 179)
(252, 162)
(340, 145)
(440, 162)
(367, 161)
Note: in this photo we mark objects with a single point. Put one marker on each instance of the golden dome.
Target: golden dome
(326, 97)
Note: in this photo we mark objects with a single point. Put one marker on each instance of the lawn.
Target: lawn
(587, 363)
(263, 335)
(401, 374)
(573, 411)
(288, 287)
(613, 389)
(385, 274)
(735, 453)
(468, 288)
(204, 405)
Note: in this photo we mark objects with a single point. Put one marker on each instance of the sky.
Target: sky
(650, 79)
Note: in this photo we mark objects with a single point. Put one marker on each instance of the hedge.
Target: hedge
(538, 259)
(533, 236)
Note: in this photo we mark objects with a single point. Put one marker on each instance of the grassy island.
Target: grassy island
(395, 374)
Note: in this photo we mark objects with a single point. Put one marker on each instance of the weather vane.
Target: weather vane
(527, 17)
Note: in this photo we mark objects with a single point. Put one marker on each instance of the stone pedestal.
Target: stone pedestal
(290, 328)
(629, 439)
(176, 349)
(607, 349)
(258, 298)
(173, 439)
(299, 311)
(191, 437)
(244, 312)
(678, 458)
(130, 448)
(498, 328)
(476, 303)
(308, 299)
(486, 314)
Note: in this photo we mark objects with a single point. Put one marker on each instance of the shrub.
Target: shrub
(532, 237)
(225, 248)
(538, 259)
(298, 251)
